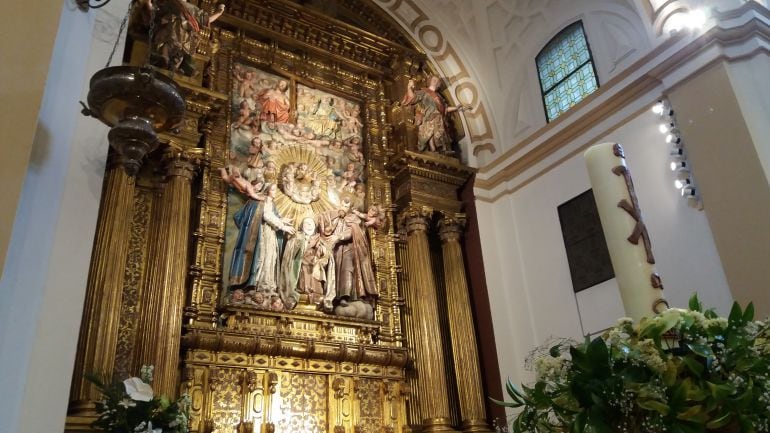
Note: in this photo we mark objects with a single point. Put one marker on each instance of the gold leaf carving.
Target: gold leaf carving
(226, 399)
(135, 265)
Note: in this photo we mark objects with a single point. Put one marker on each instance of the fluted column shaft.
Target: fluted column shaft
(101, 312)
(160, 327)
(461, 327)
(429, 354)
(412, 298)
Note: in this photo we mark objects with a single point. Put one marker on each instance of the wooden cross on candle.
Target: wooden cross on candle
(640, 230)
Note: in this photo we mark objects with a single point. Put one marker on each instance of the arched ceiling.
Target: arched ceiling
(486, 48)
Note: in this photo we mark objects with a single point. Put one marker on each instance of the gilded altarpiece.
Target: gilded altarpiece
(295, 115)
(256, 363)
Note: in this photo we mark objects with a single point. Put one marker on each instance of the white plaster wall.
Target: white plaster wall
(527, 271)
(44, 279)
(749, 80)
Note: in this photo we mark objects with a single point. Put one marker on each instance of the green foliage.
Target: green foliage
(120, 413)
(683, 371)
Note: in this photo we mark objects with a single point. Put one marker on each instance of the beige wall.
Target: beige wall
(729, 173)
(749, 80)
(22, 81)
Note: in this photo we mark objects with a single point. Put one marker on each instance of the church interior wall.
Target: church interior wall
(728, 165)
(44, 281)
(527, 274)
(21, 86)
(531, 295)
(748, 79)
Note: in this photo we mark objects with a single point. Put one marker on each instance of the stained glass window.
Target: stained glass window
(566, 70)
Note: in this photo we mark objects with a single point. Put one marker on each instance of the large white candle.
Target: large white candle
(624, 230)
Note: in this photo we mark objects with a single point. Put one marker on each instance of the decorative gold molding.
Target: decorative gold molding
(291, 24)
(451, 227)
(135, 270)
(246, 349)
(423, 179)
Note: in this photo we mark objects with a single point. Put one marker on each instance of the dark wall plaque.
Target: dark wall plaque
(587, 254)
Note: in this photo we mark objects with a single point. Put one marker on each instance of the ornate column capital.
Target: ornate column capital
(451, 226)
(117, 161)
(183, 163)
(415, 218)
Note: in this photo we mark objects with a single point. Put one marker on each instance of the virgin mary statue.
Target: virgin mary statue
(248, 219)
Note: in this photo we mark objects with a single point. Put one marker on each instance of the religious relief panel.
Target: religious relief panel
(296, 232)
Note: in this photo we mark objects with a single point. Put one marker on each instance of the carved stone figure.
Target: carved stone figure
(269, 244)
(430, 116)
(353, 266)
(324, 120)
(243, 265)
(177, 27)
(299, 184)
(274, 103)
(254, 265)
(232, 176)
(307, 267)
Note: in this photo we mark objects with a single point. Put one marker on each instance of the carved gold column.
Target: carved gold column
(411, 297)
(429, 354)
(461, 328)
(101, 312)
(160, 327)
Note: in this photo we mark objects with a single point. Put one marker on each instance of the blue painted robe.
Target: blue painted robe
(248, 219)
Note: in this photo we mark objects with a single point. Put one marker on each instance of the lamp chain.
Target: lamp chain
(150, 35)
(120, 32)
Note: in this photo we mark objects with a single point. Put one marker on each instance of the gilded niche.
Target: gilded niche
(296, 232)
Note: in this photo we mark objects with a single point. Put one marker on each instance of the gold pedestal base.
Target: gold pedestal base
(81, 408)
(437, 425)
(304, 303)
(79, 423)
(475, 425)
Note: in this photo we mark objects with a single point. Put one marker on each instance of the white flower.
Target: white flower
(623, 321)
(146, 427)
(127, 402)
(138, 390)
(719, 322)
(648, 353)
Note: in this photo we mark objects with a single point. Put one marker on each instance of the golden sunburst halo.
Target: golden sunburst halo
(288, 208)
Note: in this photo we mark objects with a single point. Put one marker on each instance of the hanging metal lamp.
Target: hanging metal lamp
(137, 103)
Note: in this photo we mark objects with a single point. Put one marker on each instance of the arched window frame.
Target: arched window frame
(553, 44)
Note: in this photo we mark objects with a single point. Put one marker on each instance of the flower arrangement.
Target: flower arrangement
(130, 406)
(682, 371)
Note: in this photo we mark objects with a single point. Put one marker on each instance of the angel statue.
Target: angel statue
(177, 31)
(430, 116)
